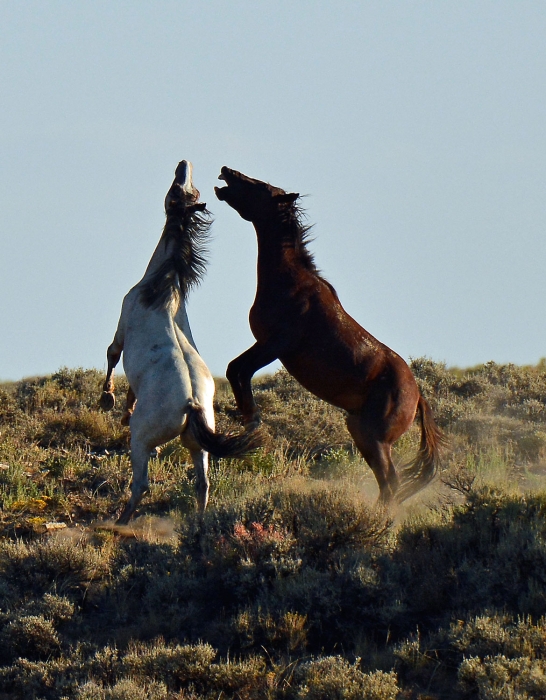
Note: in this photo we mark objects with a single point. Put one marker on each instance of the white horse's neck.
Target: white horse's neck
(177, 262)
(161, 253)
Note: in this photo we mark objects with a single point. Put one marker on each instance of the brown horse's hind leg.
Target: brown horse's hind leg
(378, 456)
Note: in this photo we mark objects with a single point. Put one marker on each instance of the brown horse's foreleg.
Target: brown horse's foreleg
(377, 454)
(240, 372)
(129, 407)
(107, 399)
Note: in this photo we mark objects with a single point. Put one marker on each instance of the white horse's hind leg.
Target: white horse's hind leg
(200, 460)
(140, 455)
(200, 457)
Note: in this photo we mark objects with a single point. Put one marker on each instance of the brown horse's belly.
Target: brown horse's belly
(379, 381)
(329, 384)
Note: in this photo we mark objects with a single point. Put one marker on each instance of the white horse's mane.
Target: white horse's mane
(187, 229)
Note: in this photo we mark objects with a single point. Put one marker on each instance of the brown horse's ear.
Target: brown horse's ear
(198, 206)
(288, 198)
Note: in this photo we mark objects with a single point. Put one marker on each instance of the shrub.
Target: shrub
(174, 665)
(499, 678)
(489, 552)
(83, 426)
(30, 636)
(59, 565)
(336, 679)
(125, 689)
(292, 416)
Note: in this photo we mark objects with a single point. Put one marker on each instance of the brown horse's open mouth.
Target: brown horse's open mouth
(220, 192)
(224, 174)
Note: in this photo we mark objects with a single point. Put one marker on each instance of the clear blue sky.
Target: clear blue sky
(416, 128)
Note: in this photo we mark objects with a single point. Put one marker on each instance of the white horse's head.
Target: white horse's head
(182, 192)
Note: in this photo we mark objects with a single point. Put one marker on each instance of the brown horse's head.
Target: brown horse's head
(251, 199)
(182, 192)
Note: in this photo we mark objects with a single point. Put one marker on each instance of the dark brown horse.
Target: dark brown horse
(298, 318)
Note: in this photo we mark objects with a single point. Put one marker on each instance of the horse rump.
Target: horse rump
(222, 444)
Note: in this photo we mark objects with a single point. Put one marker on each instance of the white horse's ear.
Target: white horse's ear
(288, 198)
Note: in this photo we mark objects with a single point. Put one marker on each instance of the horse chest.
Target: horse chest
(260, 325)
(271, 316)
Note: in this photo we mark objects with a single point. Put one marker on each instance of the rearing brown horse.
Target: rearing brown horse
(297, 318)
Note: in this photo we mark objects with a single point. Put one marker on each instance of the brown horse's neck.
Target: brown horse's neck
(281, 247)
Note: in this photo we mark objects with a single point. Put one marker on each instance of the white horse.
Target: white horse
(171, 386)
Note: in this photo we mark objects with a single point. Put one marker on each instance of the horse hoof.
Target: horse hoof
(107, 401)
(387, 499)
(253, 422)
(124, 518)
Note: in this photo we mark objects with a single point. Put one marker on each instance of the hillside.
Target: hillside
(294, 585)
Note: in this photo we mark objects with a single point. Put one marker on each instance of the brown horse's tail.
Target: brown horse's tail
(220, 444)
(420, 472)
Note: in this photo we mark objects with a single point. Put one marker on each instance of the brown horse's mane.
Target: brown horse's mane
(185, 267)
(296, 233)
(293, 219)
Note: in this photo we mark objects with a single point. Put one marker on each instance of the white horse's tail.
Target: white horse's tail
(220, 444)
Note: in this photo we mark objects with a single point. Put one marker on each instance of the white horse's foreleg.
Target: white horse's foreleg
(108, 400)
(140, 454)
(200, 460)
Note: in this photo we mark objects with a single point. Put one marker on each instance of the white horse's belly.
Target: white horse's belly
(167, 375)
(160, 371)
(163, 391)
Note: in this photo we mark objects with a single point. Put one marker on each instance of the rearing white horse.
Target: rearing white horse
(170, 384)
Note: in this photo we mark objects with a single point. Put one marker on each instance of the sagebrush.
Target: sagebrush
(293, 585)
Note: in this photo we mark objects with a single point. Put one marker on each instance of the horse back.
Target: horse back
(327, 350)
